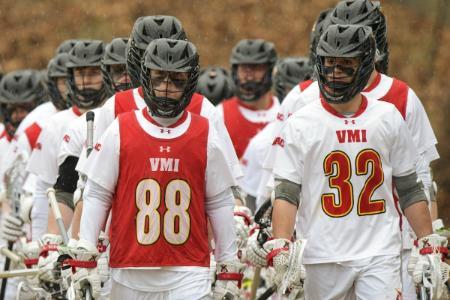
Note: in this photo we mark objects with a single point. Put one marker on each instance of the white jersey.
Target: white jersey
(392, 90)
(109, 111)
(43, 160)
(41, 112)
(387, 89)
(218, 178)
(75, 138)
(252, 161)
(345, 167)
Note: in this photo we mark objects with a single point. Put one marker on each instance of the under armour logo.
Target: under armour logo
(347, 122)
(165, 130)
(162, 149)
(98, 146)
(66, 138)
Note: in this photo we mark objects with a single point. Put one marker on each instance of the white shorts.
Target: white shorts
(408, 286)
(370, 278)
(199, 290)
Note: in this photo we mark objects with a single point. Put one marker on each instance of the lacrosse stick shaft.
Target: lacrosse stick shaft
(5, 269)
(90, 115)
(10, 254)
(423, 295)
(19, 273)
(59, 220)
(255, 283)
(267, 294)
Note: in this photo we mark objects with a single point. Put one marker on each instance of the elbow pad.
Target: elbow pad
(67, 175)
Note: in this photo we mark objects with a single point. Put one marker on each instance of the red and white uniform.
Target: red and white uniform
(132, 99)
(43, 164)
(243, 122)
(345, 167)
(383, 88)
(41, 112)
(26, 136)
(170, 173)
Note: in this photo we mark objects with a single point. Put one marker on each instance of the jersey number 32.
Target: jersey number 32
(340, 180)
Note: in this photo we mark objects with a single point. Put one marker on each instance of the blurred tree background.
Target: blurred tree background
(419, 38)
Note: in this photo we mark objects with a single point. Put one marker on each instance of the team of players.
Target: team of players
(163, 192)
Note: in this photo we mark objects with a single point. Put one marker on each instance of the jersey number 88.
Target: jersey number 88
(176, 219)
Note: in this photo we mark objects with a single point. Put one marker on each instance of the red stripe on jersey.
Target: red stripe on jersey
(6, 135)
(32, 133)
(195, 106)
(76, 111)
(240, 129)
(304, 84)
(374, 84)
(124, 102)
(154, 204)
(397, 95)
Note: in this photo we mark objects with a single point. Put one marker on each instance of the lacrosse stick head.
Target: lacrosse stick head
(435, 276)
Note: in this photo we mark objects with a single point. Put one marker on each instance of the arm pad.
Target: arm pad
(288, 191)
(410, 190)
(67, 175)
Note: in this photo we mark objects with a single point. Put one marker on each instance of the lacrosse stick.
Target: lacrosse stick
(263, 219)
(15, 190)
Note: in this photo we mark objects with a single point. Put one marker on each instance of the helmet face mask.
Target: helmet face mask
(259, 53)
(145, 30)
(169, 74)
(85, 82)
(344, 62)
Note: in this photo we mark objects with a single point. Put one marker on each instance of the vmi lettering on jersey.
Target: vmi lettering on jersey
(351, 136)
(164, 164)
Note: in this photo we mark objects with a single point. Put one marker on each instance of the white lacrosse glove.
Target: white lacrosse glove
(26, 204)
(228, 280)
(11, 228)
(86, 278)
(285, 257)
(426, 264)
(48, 260)
(255, 252)
(243, 220)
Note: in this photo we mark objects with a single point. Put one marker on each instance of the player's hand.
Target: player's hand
(228, 280)
(103, 267)
(31, 249)
(48, 270)
(255, 252)
(83, 280)
(48, 260)
(26, 204)
(243, 220)
(11, 228)
(426, 264)
(279, 252)
(87, 278)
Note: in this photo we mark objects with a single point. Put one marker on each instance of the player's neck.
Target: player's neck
(372, 78)
(262, 103)
(350, 107)
(83, 110)
(166, 122)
